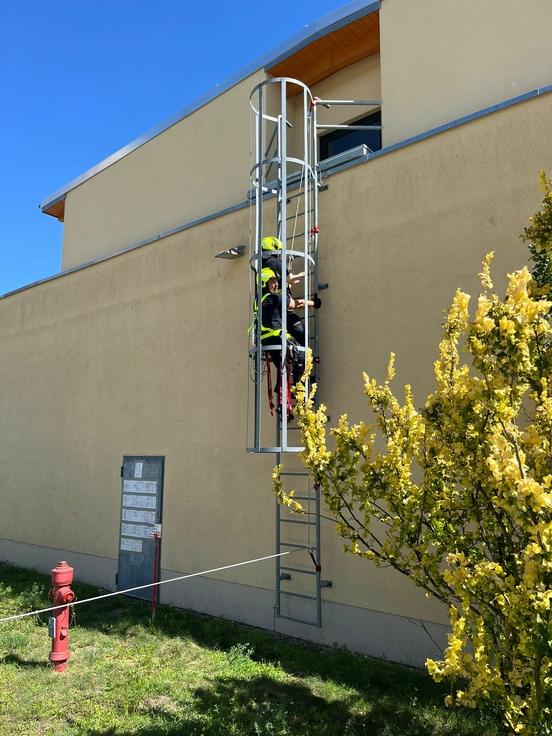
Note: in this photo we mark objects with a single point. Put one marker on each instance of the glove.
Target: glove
(317, 301)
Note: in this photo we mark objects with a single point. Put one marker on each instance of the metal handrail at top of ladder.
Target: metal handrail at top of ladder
(345, 126)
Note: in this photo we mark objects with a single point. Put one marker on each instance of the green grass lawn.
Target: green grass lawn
(193, 674)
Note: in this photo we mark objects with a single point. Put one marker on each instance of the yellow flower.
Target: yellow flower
(507, 326)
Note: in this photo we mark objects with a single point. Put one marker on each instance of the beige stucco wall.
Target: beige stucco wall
(441, 59)
(146, 354)
(198, 166)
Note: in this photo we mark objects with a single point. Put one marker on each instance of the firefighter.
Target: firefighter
(272, 259)
(271, 326)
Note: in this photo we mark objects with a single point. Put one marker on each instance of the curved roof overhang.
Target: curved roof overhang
(338, 37)
(330, 53)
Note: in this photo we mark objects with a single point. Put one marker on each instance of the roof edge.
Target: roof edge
(328, 23)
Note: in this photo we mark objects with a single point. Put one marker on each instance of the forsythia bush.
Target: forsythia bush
(460, 499)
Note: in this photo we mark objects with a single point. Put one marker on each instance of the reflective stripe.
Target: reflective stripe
(267, 332)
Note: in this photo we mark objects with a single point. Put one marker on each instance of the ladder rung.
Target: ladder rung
(298, 620)
(297, 521)
(298, 569)
(295, 546)
(295, 472)
(274, 450)
(299, 595)
(304, 498)
(296, 236)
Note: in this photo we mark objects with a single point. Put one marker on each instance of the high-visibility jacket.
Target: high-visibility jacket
(270, 318)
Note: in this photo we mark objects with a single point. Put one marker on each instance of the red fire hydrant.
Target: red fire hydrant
(58, 624)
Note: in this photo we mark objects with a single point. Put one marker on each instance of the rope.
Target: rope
(148, 585)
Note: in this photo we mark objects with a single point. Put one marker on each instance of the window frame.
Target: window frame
(373, 118)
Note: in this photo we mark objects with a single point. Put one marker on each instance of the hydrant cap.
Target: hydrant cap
(62, 574)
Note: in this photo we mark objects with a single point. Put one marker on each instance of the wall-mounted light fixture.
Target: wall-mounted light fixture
(230, 253)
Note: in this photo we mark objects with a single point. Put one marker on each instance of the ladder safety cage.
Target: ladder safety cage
(285, 160)
(285, 183)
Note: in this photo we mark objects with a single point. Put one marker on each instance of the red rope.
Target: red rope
(289, 411)
(155, 589)
(317, 567)
(288, 397)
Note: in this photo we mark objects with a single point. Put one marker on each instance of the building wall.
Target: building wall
(145, 353)
(442, 59)
(198, 166)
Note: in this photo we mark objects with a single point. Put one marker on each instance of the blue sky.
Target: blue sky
(79, 79)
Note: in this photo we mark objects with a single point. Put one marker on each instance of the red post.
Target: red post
(155, 578)
(58, 624)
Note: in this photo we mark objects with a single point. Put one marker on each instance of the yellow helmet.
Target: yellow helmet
(266, 275)
(271, 243)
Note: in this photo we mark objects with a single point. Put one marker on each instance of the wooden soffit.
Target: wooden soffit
(337, 50)
(56, 209)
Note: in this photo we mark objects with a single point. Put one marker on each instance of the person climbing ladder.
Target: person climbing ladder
(271, 331)
(272, 259)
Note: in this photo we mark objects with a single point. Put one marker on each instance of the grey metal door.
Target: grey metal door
(141, 510)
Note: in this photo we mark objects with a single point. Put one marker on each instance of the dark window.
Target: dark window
(342, 140)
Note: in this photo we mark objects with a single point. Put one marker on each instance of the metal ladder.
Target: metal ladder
(284, 179)
(285, 183)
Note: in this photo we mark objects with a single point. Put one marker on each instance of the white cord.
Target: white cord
(148, 585)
